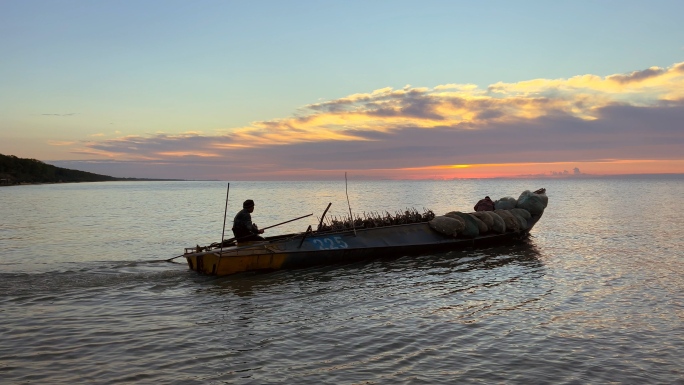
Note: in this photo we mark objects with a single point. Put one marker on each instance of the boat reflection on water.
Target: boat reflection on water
(524, 253)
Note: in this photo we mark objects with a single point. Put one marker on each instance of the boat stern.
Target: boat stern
(235, 261)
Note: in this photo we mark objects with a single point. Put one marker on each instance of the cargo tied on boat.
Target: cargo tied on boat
(374, 235)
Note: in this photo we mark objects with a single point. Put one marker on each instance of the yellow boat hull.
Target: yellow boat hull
(229, 263)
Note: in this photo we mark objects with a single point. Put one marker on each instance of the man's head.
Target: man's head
(488, 198)
(248, 205)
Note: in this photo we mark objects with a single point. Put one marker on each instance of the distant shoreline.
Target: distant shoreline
(15, 171)
(97, 181)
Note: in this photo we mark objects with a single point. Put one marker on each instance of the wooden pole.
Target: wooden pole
(348, 205)
(225, 213)
(323, 216)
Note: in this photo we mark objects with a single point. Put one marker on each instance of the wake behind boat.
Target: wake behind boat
(358, 239)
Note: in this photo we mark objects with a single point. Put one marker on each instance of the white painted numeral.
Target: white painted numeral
(342, 244)
(319, 243)
(330, 243)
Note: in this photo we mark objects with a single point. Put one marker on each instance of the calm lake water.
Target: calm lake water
(596, 296)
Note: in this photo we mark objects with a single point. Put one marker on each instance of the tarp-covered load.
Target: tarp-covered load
(447, 225)
(511, 215)
(498, 226)
(484, 217)
(481, 226)
(471, 230)
(522, 212)
(505, 203)
(534, 202)
(512, 224)
(521, 220)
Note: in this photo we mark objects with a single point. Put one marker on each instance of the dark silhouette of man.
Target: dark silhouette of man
(243, 228)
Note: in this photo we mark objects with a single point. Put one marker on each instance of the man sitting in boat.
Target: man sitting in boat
(243, 228)
(485, 204)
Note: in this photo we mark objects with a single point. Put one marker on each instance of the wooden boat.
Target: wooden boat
(313, 248)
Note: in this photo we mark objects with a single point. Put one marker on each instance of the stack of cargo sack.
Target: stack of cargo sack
(510, 215)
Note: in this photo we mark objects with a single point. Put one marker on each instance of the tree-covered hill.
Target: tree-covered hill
(15, 170)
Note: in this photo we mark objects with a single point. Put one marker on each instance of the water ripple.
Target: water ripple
(594, 297)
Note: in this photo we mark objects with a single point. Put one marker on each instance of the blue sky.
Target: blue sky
(99, 85)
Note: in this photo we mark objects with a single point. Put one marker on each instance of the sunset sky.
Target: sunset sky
(307, 90)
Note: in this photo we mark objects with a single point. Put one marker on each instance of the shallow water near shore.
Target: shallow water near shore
(596, 295)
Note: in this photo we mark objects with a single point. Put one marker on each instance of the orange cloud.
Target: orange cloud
(454, 106)
(61, 143)
(174, 154)
(466, 106)
(533, 127)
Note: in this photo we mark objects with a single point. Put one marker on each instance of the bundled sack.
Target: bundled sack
(484, 217)
(498, 224)
(447, 225)
(505, 203)
(521, 220)
(522, 212)
(471, 230)
(512, 223)
(532, 202)
(481, 226)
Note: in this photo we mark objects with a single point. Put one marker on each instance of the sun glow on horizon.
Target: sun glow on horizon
(490, 171)
(605, 167)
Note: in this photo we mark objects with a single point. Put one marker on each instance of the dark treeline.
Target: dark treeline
(15, 170)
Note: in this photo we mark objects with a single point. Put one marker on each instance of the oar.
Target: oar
(233, 239)
(269, 227)
(291, 220)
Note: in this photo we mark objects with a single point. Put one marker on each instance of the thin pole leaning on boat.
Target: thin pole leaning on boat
(225, 213)
(351, 218)
(320, 223)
